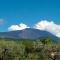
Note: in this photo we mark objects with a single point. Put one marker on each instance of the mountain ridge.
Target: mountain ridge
(28, 33)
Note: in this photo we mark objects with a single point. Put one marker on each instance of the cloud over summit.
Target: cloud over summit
(48, 26)
(17, 27)
(45, 25)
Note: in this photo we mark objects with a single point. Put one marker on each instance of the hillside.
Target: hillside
(28, 33)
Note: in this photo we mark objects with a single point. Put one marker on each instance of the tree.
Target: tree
(46, 40)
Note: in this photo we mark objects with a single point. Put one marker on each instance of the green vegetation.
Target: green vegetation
(29, 50)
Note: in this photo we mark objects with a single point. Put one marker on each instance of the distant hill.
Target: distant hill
(28, 33)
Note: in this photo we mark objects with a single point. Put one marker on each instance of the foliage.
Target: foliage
(28, 49)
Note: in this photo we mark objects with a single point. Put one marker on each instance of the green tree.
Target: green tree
(46, 40)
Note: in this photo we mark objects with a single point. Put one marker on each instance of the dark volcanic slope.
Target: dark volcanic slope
(28, 34)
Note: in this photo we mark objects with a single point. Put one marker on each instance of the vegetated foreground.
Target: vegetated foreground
(41, 49)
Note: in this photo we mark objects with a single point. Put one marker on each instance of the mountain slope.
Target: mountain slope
(28, 33)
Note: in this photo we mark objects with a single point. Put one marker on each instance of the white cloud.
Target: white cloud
(45, 25)
(17, 27)
(1, 21)
(48, 26)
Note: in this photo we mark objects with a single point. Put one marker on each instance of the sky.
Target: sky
(29, 12)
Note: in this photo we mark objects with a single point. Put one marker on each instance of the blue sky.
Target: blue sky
(28, 11)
